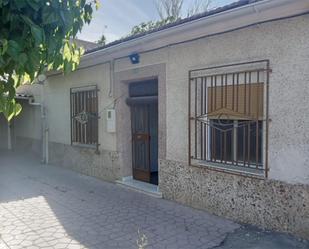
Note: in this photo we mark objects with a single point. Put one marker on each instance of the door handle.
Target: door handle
(141, 137)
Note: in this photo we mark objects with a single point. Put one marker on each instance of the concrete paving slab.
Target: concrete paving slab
(50, 207)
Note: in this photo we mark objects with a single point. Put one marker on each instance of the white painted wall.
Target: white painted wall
(28, 123)
(57, 99)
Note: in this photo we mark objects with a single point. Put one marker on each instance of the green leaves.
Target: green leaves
(13, 50)
(3, 46)
(9, 108)
(48, 16)
(67, 51)
(151, 25)
(36, 31)
(97, 4)
(22, 58)
(71, 55)
(37, 35)
(35, 4)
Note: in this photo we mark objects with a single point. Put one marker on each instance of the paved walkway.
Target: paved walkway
(48, 207)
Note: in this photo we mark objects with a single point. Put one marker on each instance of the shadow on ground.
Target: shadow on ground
(248, 237)
(48, 207)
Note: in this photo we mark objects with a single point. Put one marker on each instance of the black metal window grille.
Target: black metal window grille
(228, 117)
(84, 116)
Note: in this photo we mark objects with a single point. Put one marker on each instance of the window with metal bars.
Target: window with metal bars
(228, 117)
(236, 141)
(84, 116)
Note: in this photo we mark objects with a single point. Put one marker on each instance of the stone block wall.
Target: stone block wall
(103, 165)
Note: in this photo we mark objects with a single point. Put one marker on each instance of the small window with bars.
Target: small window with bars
(228, 117)
(84, 116)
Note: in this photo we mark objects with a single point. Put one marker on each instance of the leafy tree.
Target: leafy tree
(170, 11)
(198, 6)
(151, 25)
(169, 8)
(35, 37)
(102, 40)
(174, 8)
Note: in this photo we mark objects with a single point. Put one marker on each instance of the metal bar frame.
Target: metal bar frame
(85, 98)
(235, 78)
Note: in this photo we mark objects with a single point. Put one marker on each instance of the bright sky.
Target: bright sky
(115, 18)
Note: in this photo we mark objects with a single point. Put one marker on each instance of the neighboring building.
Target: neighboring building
(87, 45)
(213, 109)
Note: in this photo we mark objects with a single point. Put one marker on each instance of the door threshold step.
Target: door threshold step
(139, 186)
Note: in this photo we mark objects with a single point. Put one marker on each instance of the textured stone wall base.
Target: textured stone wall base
(3, 142)
(265, 203)
(104, 165)
(27, 145)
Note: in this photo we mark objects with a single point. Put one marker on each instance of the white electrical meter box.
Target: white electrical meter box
(111, 120)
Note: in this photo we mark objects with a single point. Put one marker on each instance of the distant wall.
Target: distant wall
(3, 132)
(26, 126)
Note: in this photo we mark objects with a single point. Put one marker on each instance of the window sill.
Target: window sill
(84, 146)
(230, 169)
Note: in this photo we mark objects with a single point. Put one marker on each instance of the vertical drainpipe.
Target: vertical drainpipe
(112, 72)
(44, 128)
(41, 105)
(43, 116)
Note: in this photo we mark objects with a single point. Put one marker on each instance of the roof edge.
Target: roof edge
(227, 21)
(208, 13)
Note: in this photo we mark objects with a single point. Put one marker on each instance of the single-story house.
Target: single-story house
(210, 111)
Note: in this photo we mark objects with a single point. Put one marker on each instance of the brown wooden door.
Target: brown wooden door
(140, 142)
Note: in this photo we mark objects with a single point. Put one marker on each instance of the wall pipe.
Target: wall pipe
(44, 126)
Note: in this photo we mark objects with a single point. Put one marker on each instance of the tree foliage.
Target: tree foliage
(175, 8)
(102, 40)
(170, 11)
(169, 8)
(198, 6)
(35, 37)
(151, 25)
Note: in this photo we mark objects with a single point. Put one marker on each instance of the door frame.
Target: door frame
(143, 104)
(122, 79)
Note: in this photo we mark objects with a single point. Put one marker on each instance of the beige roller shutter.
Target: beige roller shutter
(238, 102)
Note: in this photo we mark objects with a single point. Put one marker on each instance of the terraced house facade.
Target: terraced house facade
(211, 112)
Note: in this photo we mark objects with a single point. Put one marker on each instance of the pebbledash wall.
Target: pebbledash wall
(280, 202)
